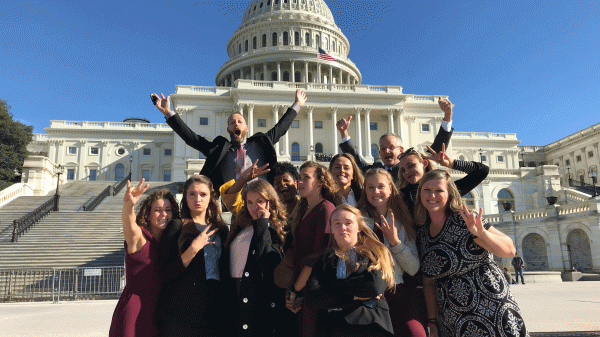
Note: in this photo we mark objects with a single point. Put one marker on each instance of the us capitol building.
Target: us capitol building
(275, 51)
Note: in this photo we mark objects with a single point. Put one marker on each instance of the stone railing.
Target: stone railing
(486, 135)
(542, 212)
(40, 137)
(14, 191)
(576, 195)
(109, 125)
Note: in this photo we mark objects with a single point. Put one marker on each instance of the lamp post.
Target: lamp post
(130, 161)
(59, 170)
(569, 174)
(480, 155)
(592, 174)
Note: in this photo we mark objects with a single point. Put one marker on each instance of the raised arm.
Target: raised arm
(476, 172)
(176, 123)
(347, 146)
(283, 125)
(231, 191)
(131, 231)
(444, 134)
(488, 237)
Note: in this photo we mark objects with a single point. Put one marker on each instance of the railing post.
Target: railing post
(10, 281)
(53, 278)
(75, 285)
(15, 234)
(56, 197)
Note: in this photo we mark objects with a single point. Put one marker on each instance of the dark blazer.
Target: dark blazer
(256, 308)
(325, 291)
(216, 149)
(189, 304)
(443, 137)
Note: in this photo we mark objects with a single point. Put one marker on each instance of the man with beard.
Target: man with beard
(227, 159)
(390, 145)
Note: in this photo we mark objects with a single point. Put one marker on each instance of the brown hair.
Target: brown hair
(329, 190)
(144, 212)
(357, 177)
(395, 203)
(277, 219)
(368, 245)
(455, 202)
(419, 154)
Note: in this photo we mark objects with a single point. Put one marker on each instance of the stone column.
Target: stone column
(311, 129)
(104, 157)
(399, 124)
(306, 71)
(53, 151)
(334, 111)
(391, 120)
(279, 71)
(287, 140)
(265, 76)
(275, 120)
(340, 78)
(293, 72)
(330, 79)
(82, 158)
(252, 72)
(358, 135)
(250, 120)
(319, 80)
(368, 133)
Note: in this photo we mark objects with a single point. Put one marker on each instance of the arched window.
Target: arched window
(333, 46)
(274, 39)
(286, 76)
(297, 77)
(269, 3)
(246, 48)
(119, 172)
(307, 39)
(461, 157)
(317, 41)
(295, 151)
(318, 148)
(504, 196)
(375, 151)
(254, 42)
(261, 4)
(285, 38)
(273, 76)
(296, 38)
(469, 200)
(239, 48)
(264, 40)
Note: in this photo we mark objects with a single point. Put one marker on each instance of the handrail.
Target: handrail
(119, 186)
(92, 204)
(23, 224)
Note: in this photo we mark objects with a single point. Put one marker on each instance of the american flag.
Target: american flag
(324, 56)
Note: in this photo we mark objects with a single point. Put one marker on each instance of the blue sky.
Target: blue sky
(519, 66)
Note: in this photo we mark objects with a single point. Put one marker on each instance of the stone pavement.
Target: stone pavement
(568, 309)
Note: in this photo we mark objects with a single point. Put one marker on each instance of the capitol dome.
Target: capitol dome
(279, 40)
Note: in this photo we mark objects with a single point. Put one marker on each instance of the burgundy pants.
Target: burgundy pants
(404, 319)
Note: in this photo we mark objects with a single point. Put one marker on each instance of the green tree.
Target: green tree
(14, 137)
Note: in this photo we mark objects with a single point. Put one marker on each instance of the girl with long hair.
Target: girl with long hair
(191, 303)
(462, 284)
(350, 278)
(346, 173)
(253, 250)
(384, 206)
(134, 313)
(319, 197)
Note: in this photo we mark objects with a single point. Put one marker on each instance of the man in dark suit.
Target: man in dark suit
(227, 158)
(390, 145)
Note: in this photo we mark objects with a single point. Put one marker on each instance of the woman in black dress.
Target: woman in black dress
(462, 284)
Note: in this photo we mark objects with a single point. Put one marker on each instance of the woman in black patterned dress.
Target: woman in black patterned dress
(461, 282)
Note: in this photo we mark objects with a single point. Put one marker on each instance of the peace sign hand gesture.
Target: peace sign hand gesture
(389, 230)
(264, 213)
(132, 195)
(203, 239)
(473, 221)
(440, 157)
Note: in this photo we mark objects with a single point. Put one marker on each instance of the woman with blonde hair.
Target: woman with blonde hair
(191, 301)
(462, 284)
(384, 207)
(134, 313)
(350, 278)
(348, 176)
(253, 250)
